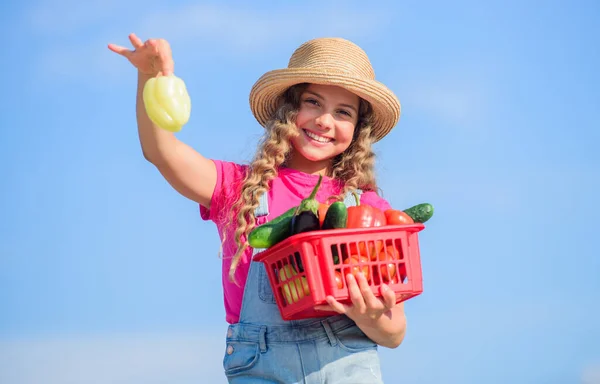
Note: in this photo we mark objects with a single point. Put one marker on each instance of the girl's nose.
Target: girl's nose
(324, 121)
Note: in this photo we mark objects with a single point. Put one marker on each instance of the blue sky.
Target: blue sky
(109, 276)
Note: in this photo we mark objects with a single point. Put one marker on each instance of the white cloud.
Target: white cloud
(64, 17)
(460, 98)
(458, 93)
(83, 63)
(591, 374)
(248, 30)
(454, 103)
(124, 359)
(81, 31)
(495, 193)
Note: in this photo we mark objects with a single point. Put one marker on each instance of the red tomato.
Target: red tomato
(353, 260)
(370, 248)
(339, 280)
(388, 271)
(397, 255)
(395, 217)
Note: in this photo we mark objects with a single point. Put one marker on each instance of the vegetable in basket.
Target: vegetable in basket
(420, 213)
(364, 216)
(294, 288)
(322, 212)
(305, 218)
(336, 216)
(273, 232)
(396, 217)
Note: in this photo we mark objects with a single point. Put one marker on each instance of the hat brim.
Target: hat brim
(266, 92)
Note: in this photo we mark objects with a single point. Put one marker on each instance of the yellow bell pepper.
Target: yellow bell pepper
(167, 102)
(295, 289)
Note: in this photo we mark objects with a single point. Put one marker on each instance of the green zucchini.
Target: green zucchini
(273, 232)
(420, 213)
(336, 216)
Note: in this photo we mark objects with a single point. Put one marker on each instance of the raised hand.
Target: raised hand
(152, 57)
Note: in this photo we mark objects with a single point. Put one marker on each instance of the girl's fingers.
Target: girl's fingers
(167, 65)
(152, 44)
(389, 297)
(336, 305)
(355, 293)
(120, 50)
(136, 41)
(152, 56)
(163, 52)
(371, 301)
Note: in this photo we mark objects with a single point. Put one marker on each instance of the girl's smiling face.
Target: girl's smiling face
(326, 120)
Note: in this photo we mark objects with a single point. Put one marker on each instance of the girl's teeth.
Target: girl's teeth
(318, 138)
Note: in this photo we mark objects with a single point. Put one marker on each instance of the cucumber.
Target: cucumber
(336, 216)
(284, 216)
(273, 232)
(420, 213)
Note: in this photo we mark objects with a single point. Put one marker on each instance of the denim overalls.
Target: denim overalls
(264, 348)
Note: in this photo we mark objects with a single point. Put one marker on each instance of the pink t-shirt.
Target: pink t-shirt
(289, 188)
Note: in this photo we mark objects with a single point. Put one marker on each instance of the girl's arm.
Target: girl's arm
(389, 329)
(190, 173)
(186, 170)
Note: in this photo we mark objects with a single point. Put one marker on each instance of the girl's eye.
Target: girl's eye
(344, 112)
(311, 101)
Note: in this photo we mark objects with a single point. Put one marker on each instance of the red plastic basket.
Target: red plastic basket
(302, 269)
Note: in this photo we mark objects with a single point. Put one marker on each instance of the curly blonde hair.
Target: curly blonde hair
(354, 167)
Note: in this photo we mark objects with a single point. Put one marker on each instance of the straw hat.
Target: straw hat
(328, 61)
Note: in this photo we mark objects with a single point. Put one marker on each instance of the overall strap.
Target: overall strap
(349, 199)
(261, 211)
(263, 205)
(255, 309)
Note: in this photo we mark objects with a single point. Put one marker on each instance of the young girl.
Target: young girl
(321, 115)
